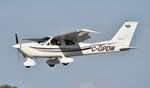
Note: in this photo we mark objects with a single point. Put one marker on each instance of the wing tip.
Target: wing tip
(87, 30)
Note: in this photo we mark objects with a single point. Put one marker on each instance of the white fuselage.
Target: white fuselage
(35, 50)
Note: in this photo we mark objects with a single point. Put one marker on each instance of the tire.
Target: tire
(51, 65)
(28, 66)
(65, 64)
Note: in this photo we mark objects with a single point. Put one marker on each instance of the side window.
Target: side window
(69, 42)
(59, 42)
(55, 42)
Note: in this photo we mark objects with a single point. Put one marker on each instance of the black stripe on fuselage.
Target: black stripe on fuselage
(61, 49)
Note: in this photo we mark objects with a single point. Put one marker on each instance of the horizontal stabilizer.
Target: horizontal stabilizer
(128, 48)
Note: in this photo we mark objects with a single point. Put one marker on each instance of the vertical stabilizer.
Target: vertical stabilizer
(125, 34)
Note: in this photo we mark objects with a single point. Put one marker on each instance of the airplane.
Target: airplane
(61, 48)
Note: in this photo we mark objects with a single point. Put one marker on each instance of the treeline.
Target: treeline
(7, 86)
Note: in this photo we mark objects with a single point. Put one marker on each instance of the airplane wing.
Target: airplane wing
(31, 39)
(78, 36)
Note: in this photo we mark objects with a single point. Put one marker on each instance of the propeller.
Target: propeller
(17, 46)
(16, 38)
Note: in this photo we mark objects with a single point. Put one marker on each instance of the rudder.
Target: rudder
(125, 34)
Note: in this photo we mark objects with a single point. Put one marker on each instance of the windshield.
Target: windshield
(42, 41)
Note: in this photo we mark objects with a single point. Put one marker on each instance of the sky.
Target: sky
(40, 18)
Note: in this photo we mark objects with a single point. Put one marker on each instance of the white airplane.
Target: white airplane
(62, 47)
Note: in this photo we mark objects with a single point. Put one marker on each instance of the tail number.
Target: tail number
(102, 48)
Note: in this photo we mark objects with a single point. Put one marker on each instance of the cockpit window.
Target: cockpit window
(42, 41)
(55, 42)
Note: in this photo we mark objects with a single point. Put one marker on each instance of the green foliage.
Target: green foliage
(7, 86)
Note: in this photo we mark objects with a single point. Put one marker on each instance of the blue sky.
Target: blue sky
(39, 18)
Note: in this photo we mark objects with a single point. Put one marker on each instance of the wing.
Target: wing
(78, 36)
(31, 39)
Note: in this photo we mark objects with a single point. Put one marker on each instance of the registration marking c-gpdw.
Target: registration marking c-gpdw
(102, 48)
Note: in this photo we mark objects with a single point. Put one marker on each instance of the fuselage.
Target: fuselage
(35, 50)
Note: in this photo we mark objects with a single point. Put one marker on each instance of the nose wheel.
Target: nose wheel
(29, 62)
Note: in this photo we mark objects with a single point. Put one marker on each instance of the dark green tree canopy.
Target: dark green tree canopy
(7, 86)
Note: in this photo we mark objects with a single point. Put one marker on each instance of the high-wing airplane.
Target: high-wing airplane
(62, 47)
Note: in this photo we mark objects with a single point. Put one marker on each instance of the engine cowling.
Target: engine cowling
(66, 60)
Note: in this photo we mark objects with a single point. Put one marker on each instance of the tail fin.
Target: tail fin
(125, 34)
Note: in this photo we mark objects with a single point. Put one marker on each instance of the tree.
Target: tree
(7, 86)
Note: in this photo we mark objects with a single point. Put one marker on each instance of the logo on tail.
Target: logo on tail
(128, 26)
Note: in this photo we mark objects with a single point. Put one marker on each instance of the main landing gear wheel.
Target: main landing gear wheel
(65, 64)
(51, 65)
(28, 66)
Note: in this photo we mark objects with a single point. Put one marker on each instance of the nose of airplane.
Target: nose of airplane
(17, 46)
